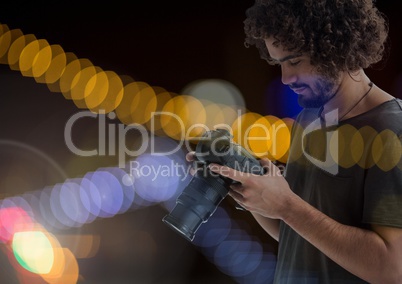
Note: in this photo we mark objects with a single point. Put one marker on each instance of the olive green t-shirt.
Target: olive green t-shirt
(350, 171)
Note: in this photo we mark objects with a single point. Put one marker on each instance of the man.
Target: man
(339, 224)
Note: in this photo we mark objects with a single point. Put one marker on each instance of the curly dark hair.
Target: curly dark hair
(337, 35)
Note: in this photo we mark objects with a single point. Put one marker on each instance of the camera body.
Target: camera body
(205, 191)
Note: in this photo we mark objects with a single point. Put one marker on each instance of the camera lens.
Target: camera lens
(206, 190)
(197, 203)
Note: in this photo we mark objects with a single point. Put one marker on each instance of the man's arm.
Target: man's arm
(373, 255)
(271, 226)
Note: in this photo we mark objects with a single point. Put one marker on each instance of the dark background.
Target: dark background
(163, 43)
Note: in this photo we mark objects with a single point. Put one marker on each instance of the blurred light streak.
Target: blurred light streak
(90, 196)
(215, 231)
(71, 202)
(52, 199)
(16, 47)
(132, 107)
(54, 68)
(387, 160)
(242, 126)
(33, 251)
(82, 245)
(238, 257)
(29, 58)
(127, 185)
(33, 248)
(156, 178)
(105, 92)
(217, 91)
(12, 220)
(234, 251)
(110, 192)
(203, 105)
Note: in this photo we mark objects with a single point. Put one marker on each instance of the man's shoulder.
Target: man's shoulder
(388, 116)
(399, 102)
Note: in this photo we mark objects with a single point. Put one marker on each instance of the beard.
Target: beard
(323, 91)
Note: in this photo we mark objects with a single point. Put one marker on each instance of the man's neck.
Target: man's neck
(351, 93)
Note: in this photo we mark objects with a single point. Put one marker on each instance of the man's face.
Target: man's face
(313, 89)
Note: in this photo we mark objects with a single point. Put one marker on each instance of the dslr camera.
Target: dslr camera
(206, 189)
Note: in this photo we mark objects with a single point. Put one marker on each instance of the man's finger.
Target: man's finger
(266, 162)
(190, 156)
(269, 167)
(227, 172)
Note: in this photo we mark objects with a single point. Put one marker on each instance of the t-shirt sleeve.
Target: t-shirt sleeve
(383, 184)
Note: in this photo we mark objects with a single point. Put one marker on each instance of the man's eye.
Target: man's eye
(294, 63)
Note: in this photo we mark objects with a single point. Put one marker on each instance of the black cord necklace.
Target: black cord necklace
(371, 84)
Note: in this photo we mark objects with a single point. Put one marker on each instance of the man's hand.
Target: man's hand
(190, 157)
(266, 195)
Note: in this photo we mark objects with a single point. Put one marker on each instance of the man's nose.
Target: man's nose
(288, 75)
